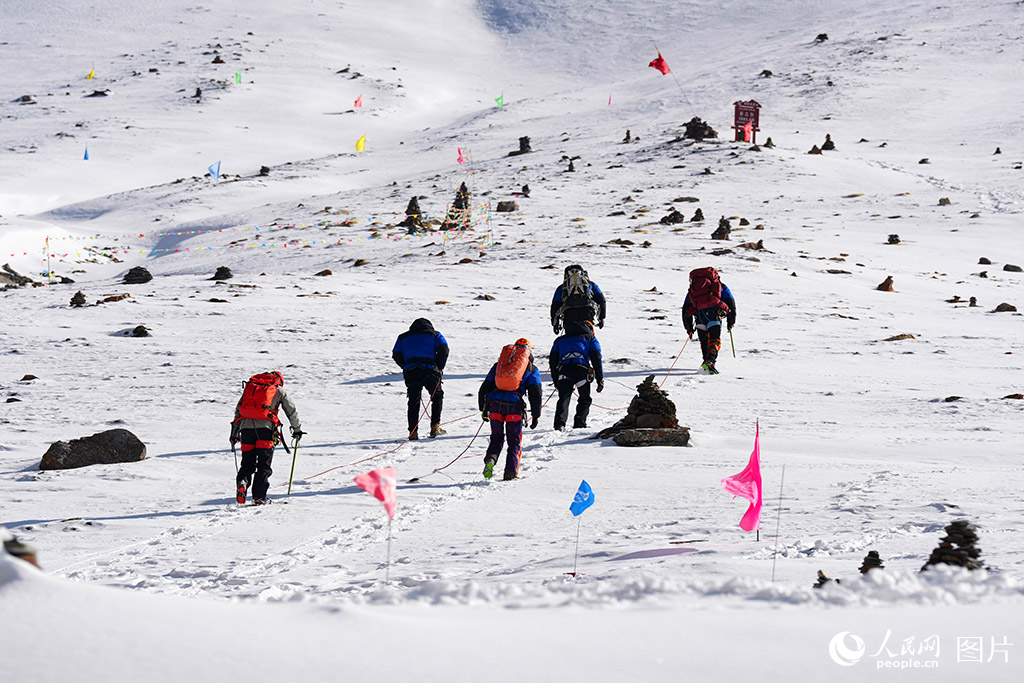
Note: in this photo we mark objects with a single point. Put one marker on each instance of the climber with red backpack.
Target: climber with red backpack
(501, 400)
(708, 300)
(258, 428)
(577, 300)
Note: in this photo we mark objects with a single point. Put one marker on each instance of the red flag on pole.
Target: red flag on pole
(359, 102)
(747, 484)
(748, 130)
(660, 64)
(381, 484)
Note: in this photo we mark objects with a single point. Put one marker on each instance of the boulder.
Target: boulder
(652, 437)
(507, 206)
(104, 448)
(1006, 308)
(137, 276)
(223, 273)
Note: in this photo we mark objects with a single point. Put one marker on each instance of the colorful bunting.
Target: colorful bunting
(747, 484)
(461, 159)
(660, 64)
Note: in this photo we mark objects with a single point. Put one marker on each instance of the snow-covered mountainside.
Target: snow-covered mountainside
(894, 413)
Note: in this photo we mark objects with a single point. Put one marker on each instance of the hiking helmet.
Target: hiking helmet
(523, 341)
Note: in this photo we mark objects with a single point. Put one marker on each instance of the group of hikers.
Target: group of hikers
(575, 361)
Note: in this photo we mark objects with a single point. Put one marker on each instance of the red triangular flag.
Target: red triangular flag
(359, 102)
(380, 483)
(660, 64)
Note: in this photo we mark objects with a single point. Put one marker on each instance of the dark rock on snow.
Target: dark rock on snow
(104, 448)
(137, 276)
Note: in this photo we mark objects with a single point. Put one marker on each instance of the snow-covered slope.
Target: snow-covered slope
(875, 455)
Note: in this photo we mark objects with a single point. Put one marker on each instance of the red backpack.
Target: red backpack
(257, 397)
(705, 290)
(512, 365)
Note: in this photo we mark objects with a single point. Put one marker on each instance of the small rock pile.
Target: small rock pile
(871, 561)
(957, 547)
(459, 215)
(413, 217)
(650, 420)
(698, 130)
(723, 229)
(524, 147)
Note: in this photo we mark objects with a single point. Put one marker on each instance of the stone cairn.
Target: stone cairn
(459, 214)
(650, 420)
(524, 147)
(723, 229)
(957, 547)
(871, 561)
(698, 130)
(413, 217)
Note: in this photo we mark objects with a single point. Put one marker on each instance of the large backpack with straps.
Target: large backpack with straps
(512, 365)
(577, 294)
(706, 290)
(258, 395)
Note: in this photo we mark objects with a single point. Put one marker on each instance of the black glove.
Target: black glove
(556, 326)
(600, 323)
(600, 387)
(484, 416)
(297, 434)
(235, 429)
(730, 320)
(689, 331)
(534, 421)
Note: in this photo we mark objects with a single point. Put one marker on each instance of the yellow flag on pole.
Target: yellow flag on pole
(91, 74)
(361, 144)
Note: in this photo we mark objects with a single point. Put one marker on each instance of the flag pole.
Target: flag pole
(778, 520)
(387, 566)
(678, 85)
(579, 522)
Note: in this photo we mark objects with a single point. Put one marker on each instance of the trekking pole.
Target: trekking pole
(236, 457)
(731, 341)
(295, 454)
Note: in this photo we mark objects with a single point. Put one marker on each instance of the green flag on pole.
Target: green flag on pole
(238, 77)
(500, 99)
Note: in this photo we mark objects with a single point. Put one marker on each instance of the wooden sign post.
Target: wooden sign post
(746, 112)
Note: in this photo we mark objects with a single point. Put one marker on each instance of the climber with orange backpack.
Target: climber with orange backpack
(707, 301)
(502, 400)
(258, 428)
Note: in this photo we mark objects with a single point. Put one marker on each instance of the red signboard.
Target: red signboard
(746, 112)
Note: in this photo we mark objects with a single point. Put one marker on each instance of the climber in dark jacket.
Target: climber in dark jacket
(574, 361)
(422, 353)
(506, 411)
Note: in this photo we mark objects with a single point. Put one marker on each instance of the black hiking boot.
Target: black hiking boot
(414, 434)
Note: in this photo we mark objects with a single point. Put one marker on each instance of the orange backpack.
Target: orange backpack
(257, 397)
(512, 365)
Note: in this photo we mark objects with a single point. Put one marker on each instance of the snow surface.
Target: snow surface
(150, 568)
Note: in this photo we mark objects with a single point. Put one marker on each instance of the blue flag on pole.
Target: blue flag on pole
(86, 157)
(583, 499)
(214, 170)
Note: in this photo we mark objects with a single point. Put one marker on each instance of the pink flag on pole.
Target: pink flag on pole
(748, 130)
(381, 483)
(461, 158)
(359, 102)
(660, 64)
(747, 484)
